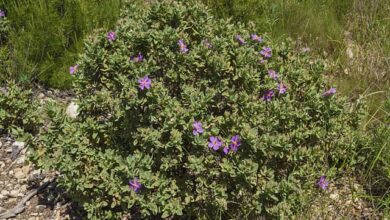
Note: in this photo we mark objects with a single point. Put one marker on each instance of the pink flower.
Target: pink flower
(330, 92)
(135, 185)
(111, 36)
(145, 82)
(73, 69)
(282, 88)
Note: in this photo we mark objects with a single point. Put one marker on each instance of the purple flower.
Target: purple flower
(268, 95)
(73, 69)
(215, 143)
(138, 58)
(135, 185)
(282, 88)
(306, 49)
(330, 92)
(145, 82)
(2, 13)
(266, 52)
(111, 36)
(226, 150)
(197, 126)
(262, 61)
(235, 142)
(240, 39)
(207, 44)
(182, 46)
(273, 74)
(323, 183)
(256, 38)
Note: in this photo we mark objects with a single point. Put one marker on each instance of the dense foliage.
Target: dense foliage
(19, 114)
(182, 114)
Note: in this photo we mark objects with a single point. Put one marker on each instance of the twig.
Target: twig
(20, 207)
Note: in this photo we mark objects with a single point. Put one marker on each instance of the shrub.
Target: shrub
(143, 88)
(19, 114)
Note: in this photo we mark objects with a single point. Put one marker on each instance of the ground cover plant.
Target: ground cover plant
(182, 114)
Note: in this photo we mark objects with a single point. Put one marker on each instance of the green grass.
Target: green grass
(47, 35)
(316, 22)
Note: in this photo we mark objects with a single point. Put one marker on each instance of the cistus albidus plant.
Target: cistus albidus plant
(198, 128)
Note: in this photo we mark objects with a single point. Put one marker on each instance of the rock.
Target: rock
(40, 208)
(21, 160)
(23, 188)
(16, 148)
(71, 110)
(19, 173)
(14, 193)
(19, 144)
(26, 170)
(11, 200)
(41, 96)
(2, 209)
(4, 192)
(36, 175)
(334, 196)
(9, 149)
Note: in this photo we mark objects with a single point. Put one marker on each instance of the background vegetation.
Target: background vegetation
(45, 37)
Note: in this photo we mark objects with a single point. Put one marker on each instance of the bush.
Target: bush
(18, 112)
(166, 66)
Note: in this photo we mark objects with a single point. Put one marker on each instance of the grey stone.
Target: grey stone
(40, 208)
(17, 146)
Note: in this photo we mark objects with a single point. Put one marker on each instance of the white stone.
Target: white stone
(71, 110)
(19, 144)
